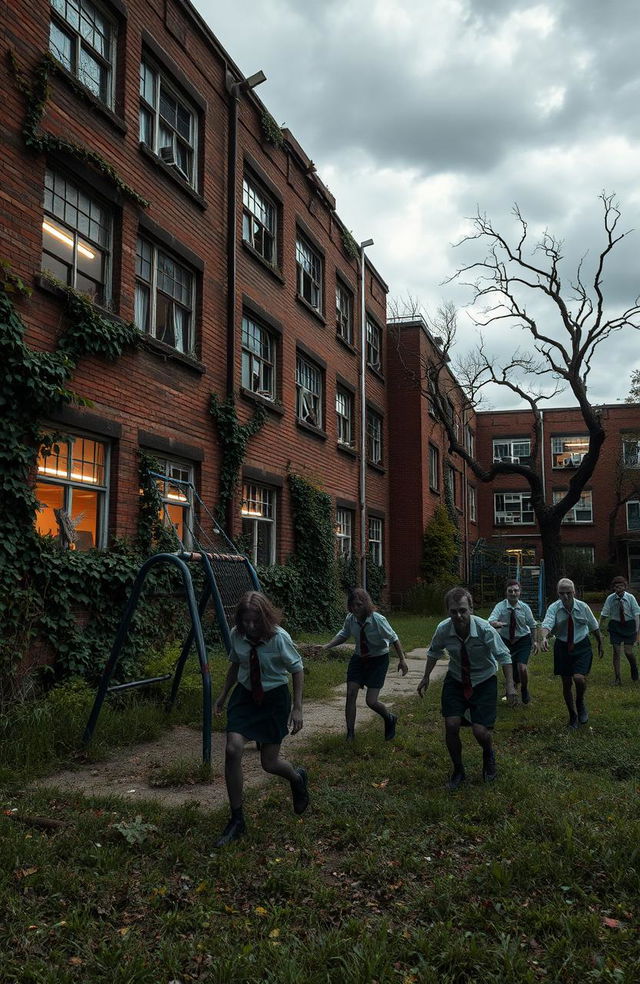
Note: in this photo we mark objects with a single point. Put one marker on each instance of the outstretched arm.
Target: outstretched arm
(402, 663)
(423, 686)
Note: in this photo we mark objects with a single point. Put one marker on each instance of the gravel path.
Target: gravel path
(128, 774)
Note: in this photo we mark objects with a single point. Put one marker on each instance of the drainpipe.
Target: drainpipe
(363, 418)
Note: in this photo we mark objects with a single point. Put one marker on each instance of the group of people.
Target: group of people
(263, 656)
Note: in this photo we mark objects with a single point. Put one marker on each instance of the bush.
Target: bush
(440, 552)
(426, 599)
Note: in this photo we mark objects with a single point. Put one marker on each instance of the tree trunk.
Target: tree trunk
(551, 554)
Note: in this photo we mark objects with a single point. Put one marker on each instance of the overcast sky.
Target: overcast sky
(419, 112)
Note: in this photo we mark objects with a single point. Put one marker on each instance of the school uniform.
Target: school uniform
(266, 719)
(516, 632)
(575, 656)
(486, 651)
(368, 669)
(621, 612)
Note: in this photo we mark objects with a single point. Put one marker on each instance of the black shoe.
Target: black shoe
(618, 681)
(489, 770)
(390, 727)
(526, 697)
(232, 832)
(583, 714)
(573, 722)
(634, 671)
(351, 736)
(456, 780)
(299, 792)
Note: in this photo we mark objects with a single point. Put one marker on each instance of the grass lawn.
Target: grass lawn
(387, 878)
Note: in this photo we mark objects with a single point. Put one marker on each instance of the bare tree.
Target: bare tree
(561, 356)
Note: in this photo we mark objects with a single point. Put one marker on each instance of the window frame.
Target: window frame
(563, 456)
(256, 519)
(344, 312)
(510, 443)
(635, 456)
(373, 334)
(79, 43)
(252, 187)
(344, 532)
(312, 415)
(375, 440)
(434, 468)
(164, 80)
(345, 421)
(571, 518)
(179, 465)
(472, 503)
(151, 285)
(633, 524)
(251, 359)
(69, 484)
(376, 543)
(513, 497)
(309, 277)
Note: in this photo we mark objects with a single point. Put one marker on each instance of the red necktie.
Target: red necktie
(364, 645)
(254, 676)
(569, 633)
(621, 612)
(512, 627)
(467, 688)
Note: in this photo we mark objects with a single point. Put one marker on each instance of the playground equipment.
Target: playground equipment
(228, 574)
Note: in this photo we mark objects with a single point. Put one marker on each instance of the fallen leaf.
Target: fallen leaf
(260, 910)
(612, 923)
(24, 872)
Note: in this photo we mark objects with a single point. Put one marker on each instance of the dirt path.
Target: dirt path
(128, 775)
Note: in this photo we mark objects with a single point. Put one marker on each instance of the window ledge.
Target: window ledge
(49, 287)
(376, 467)
(316, 432)
(347, 449)
(433, 489)
(76, 86)
(375, 372)
(274, 271)
(168, 353)
(348, 345)
(273, 406)
(173, 176)
(316, 314)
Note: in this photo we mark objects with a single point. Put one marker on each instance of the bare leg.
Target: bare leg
(633, 665)
(581, 689)
(483, 736)
(375, 704)
(524, 678)
(350, 706)
(567, 693)
(233, 768)
(617, 652)
(452, 739)
(271, 762)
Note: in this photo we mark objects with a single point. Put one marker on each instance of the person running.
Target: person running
(471, 686)
(514, 621)
(370, 660)
(261, 658)
(571, 621)
(623, 612)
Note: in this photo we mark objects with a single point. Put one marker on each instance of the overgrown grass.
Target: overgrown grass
(387, 878)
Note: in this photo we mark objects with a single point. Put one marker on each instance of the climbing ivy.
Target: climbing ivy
(271, 132)
(350, 246)
(233, 437)
(36, 93)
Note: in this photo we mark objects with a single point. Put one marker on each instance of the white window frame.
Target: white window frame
(259, 220)
(154, 289)
(309, 392)
(582, 512)
(434, 468)
(344, 416)
(178, 495)
(259, 347)
(344, 532)
(344, 312)
(375, 538)
(511, 450)
(469, 441)
(89, 233)
(450, 481)
(309, 273)
(73, 19)
(49, 472)
(375, 432)
(631, 452)
(567, 451)
(180, 153)
(472, 503)
(259, 511)
(633, 522)
(374, 345)
(506, 516)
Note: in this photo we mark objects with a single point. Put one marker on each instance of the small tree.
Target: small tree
(440, 547)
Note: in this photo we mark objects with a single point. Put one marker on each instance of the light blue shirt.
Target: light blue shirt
(556, 620)
(524, 618)
(278, 657)
(379, 633)
(611, 607)
(484, 647)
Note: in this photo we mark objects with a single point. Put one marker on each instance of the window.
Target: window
(469, 441)
(453, 418)
(434, 468)
(71, 490)
(168, 123)
(344, 416)
(450, 480)
(76, 237)
(258, 359)
(374, 438)
(83, 40)
(308, 392)
(177, 498)
(631, 452)
(572, 555)
(344, 313)
(633, 514)
(375, 540)
(344, 535)
(164, 297)
(568, 452)
(374, 345)
(259, 523)
(513, 508)
(582, 512)
(512, 450)
(258, 220)
(472, 503)
(309, 273)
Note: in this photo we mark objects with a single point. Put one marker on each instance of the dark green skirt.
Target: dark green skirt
(369, 672)
(267, 722)
(481, 705)
(622, 634)
(567, 663)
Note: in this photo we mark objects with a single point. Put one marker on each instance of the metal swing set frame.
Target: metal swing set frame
(221, 588)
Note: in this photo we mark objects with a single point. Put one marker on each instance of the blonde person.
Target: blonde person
(370, 660)
(623, 612)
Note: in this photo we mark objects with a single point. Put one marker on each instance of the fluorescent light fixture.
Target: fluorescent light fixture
(67, 240)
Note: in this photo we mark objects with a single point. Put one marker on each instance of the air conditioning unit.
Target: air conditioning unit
(168, 156)
(506, 461)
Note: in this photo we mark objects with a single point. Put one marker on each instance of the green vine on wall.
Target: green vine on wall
(233, 437)
(350, 246)
(271, 132)
(37, 94)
